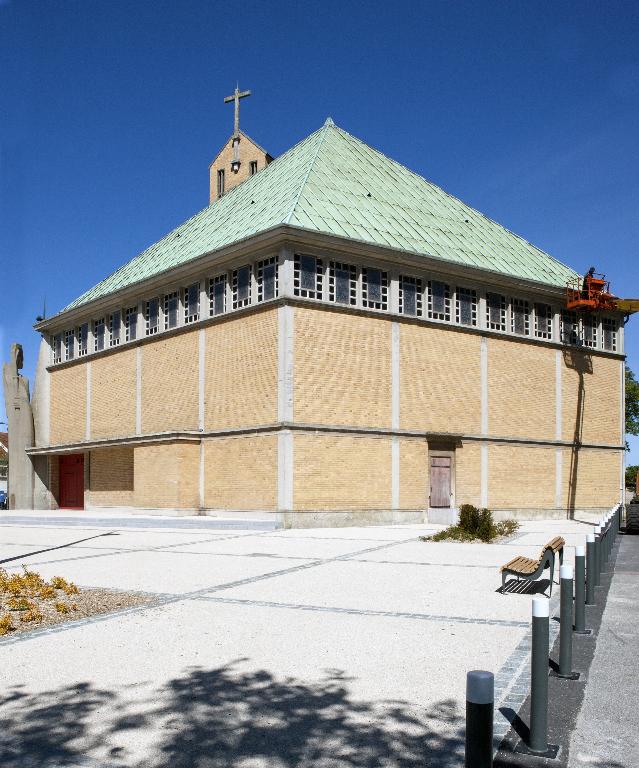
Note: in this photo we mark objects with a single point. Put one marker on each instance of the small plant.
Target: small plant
(19, 604)
(32, 615)
(5, 624)
(47, 592)
(62, 607)
(474, 524)
(68, 587)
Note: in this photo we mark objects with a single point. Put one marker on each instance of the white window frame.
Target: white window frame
(419, 295)
(114, 340)
(307, 293)
(543, 320)
(503, 311)
(189, 315)
(128, 313)
(96, 323)
(444, 316)
(352, 270)
(471, 294)
(236, 302)
(524, 305)
(150, 330)
(166, 300)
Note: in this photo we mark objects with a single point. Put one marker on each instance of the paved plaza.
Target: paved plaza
(322, 647)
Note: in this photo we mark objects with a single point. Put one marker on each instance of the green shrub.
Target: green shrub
(485, 527)
(469, 517)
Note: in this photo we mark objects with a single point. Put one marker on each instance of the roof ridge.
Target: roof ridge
(321, 130)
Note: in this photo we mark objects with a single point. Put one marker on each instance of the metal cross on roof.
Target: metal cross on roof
(236, 96)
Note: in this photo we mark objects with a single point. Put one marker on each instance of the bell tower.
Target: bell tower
(239, 159)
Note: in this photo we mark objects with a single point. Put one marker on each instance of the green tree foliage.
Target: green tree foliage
(631, 476)
(632, 403)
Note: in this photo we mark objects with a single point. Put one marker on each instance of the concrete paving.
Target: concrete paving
(606, 733)
(300, 648)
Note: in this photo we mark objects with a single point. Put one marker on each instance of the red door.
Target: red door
(72, 481)
(440, 467)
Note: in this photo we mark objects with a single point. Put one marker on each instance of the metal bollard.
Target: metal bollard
(590, 568)
(565, 625)
(604, 547)
(480, 703)
(580, 592)
(539, 676)
(597, 555)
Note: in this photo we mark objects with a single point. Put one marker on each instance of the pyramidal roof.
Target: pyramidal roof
(333, 183)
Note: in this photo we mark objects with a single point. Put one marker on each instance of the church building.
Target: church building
(334, 340)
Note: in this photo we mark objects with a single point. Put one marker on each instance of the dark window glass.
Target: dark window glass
(172, 312)
(268, 278)
(465, 308)
(309, 270)
(409, 296)
(519, 320)
(99, 335)
(153, 315)
(83, 338)
(342, 285)
(243, 283)
(373, 285)
(438, 291)
(218, 297)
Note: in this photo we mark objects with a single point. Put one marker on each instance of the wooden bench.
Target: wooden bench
(528, 569)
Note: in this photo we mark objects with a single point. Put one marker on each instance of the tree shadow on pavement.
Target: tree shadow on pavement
(226, 718)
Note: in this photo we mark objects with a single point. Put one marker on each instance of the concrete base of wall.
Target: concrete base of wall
(344, 519)
(443, 516)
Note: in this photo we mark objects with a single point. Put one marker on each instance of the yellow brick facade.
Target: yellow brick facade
(166, 476)
(591, 478)
(468, 474)
(241, 472)
(413, 474)
(68, 404)
(113, 394)
(170, 383)
(597, 414)
(110, 478)
(341, 472)
(241, 372)
(342, 369)
(521, 390)
(521, 477)
(440, 387)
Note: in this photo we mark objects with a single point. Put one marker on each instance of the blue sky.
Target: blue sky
(112, 111)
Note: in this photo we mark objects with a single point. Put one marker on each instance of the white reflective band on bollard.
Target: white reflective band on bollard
(580, 551)
(565, 572)
(540, 607)
(590, 538)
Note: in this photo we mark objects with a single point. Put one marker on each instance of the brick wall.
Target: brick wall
(241, 372)
(113, 383)
(110, 477)
(598, 477)
(170, 384)
(166, 476)
(341, 472)
(468, 474)
(601, 421)
(440, 386)
(241, 472)
(68, 404)
(413, 474)
(521, 390)
(521, 477)
(342, 369)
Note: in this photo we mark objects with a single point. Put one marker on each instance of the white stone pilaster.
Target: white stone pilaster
(285, 363)
(395, 375)
(286, 266)
(201, 476)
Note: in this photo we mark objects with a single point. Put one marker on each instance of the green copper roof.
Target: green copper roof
(334, 183)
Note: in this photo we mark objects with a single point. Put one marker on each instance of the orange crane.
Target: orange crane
(592, 294)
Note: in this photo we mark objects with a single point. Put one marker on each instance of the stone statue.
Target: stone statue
(21, 435)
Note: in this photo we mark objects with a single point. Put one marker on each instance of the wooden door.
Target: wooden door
(440, 476)
(72, 481)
